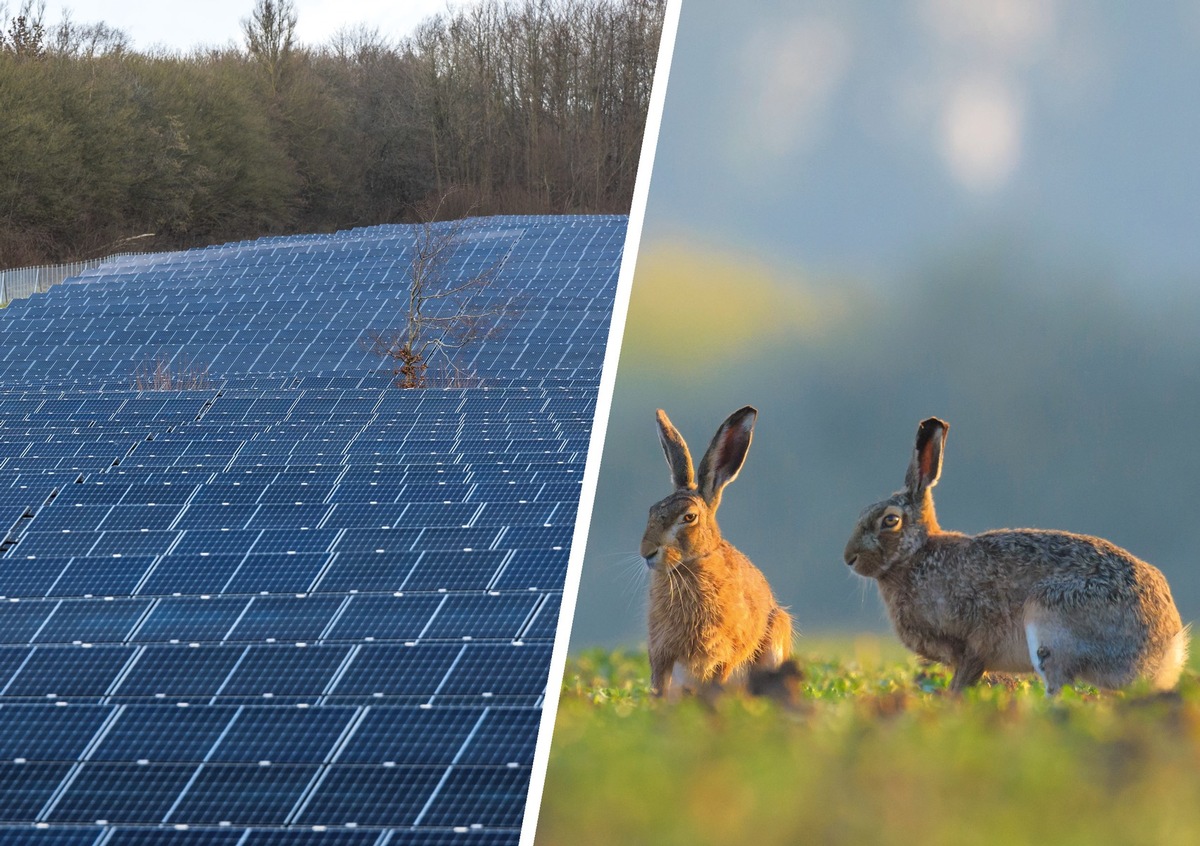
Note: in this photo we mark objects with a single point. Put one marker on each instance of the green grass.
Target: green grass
(874, 752)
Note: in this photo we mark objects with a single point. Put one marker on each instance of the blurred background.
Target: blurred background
(863, 214)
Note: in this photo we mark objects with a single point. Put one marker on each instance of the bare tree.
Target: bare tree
(159, 375)
(270, 37)
(541, 104)
(88, 40)
(26, 36)
(445, 313)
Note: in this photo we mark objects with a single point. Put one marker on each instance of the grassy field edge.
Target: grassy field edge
(873, 750)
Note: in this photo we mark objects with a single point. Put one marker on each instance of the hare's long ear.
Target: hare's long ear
(726, 454)
(926, 466)
(678, 457)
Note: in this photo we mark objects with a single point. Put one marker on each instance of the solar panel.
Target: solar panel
(294, 602)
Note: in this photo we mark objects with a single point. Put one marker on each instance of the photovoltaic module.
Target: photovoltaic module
(291, 602)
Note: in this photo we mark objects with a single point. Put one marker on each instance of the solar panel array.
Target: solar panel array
(294, 603)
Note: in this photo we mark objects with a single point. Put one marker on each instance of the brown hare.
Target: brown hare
(711, 611)
(1014, 600)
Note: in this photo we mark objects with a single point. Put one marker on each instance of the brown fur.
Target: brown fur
(711, 610)
(1096, 612)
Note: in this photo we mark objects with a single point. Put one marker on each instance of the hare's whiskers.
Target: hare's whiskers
(632, 578)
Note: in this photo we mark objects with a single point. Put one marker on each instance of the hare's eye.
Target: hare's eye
(891, 521)
(690, 517)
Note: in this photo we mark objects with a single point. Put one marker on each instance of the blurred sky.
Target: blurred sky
(180, 26)
(866, 213)
(852, 134)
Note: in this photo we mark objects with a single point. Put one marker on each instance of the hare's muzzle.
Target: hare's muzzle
(852, 550)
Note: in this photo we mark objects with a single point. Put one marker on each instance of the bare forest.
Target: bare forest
(515, 107)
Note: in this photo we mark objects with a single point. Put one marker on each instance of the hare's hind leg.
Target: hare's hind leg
(1104, 646)
(1111, 661)
(776, 644)
(1053, 649)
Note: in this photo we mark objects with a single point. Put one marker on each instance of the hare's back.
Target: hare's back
(1066, 570)
(1072, 561)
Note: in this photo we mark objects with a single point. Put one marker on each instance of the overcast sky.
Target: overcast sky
(858, 135)
(184, 25)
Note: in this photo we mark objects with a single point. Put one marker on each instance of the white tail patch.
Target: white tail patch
(1173, 660)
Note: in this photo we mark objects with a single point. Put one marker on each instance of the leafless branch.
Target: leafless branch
(460, 317)
(159, 375)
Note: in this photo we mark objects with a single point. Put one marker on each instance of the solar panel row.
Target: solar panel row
(294, 603)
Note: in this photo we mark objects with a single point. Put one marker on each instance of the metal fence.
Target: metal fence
(22, 282)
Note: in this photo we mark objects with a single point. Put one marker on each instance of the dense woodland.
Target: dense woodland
(516, 106)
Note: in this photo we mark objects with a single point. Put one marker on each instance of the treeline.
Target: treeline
(510, 107)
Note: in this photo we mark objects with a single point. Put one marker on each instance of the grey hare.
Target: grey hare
(1067, 606)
